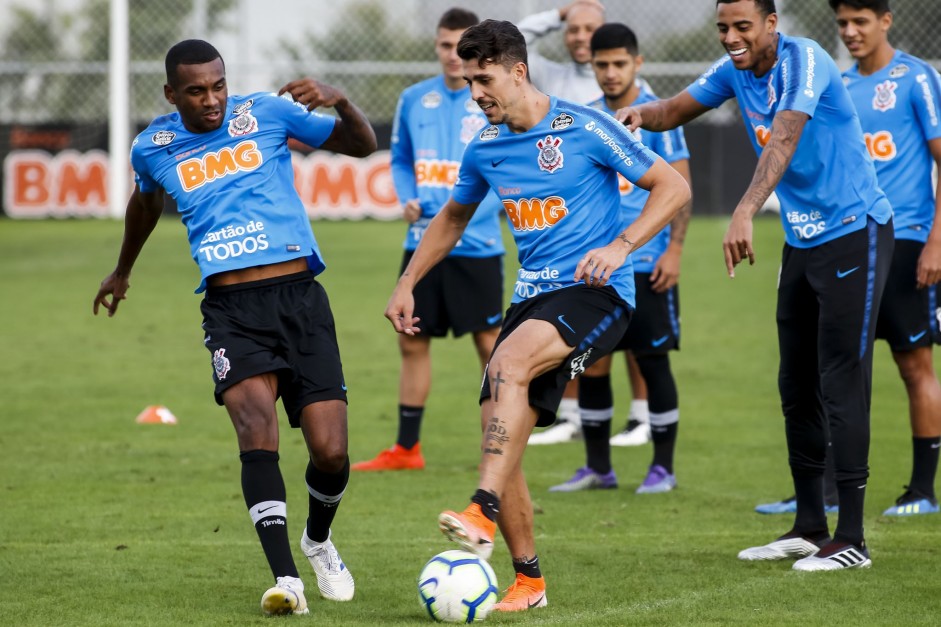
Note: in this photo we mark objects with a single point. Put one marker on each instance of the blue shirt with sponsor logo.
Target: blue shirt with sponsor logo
(234, 186)
(432, 126)
(899, 108)
(671, 145)
(558, 185)
(830, 186)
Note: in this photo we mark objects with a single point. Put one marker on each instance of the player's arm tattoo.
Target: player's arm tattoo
(623, 238)
(775, 157)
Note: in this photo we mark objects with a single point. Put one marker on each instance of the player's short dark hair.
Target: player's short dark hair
(614, 35)
(189, 52)
(879, 7)
(493, 41)
(765, 6)
(458, 19)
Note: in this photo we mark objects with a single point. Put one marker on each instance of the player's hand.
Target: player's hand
(629, 117)
(596, 267)
(312, 93)
(400, 309)
(666, 272)
(737, 243)
(411, 211)
(116, 287)
(929, 265)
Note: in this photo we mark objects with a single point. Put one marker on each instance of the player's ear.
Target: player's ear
(638, 62)
(771, 22)
(168, 94)
(520, 71)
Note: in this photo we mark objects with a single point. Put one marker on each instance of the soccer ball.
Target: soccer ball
(457, 587)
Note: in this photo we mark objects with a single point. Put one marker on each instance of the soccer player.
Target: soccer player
(838, 246)
(654, 329)
(554, 165)
(898, 99)
(434, 121)
(267, 321)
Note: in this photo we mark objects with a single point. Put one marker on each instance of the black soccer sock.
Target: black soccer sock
(596, 406)
(324, 493)
(263, 489)
(530, 568)
(811, 521)
(489, 503)
(663, 401)
(849, 526)
(924, 465)
(409, 425)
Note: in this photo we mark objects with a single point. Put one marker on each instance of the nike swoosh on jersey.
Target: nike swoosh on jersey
(916, 337)
(495, 162)
(842, 273)
(660, 340)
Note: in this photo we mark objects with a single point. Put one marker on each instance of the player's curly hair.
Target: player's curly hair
(493, 41)
(189, 52)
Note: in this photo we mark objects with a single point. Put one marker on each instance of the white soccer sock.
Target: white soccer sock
(639, 411)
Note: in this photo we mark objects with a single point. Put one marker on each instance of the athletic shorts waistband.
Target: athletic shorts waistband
(295, 277)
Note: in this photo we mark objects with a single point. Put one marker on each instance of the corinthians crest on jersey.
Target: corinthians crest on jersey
(243, 124)
(550, 156)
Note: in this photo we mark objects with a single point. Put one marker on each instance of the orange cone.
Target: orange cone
(155, 415)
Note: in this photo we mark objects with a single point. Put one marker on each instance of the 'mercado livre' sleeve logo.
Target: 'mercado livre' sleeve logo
(196, 172)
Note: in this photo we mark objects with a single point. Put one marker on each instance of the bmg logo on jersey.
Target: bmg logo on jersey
(881, 145)
(436, 173)
(196, 172)
(535, 214)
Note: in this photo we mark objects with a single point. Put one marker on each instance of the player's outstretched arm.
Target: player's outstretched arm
(441, 236)
(353, 135)
(668, 192)
(786, 130)
(929, 262)
(661, 115)
(140, 218)
(666, 272)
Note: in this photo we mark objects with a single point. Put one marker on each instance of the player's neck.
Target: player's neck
(532, 107)
(880, 57)
(454, 83)
(624, 100)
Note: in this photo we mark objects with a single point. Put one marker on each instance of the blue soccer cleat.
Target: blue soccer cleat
(913, 503)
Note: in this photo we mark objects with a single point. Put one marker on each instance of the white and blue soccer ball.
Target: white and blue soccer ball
(457, 587)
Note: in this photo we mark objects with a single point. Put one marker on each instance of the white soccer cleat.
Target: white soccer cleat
(780, 549)
(333, 579)
(636, 434)
(835, 558)
(286, 597)
(562, 431)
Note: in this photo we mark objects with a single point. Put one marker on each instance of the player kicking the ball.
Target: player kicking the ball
(554, 165)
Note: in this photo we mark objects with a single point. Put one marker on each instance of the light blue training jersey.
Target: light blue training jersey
(432, 126)
(899, 109)
(671, 145)
(234, 186)
(558, 185)
(830, 186)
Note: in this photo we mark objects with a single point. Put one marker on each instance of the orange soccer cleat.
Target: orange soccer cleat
(525, 593)
(471, 529)
(395, 458)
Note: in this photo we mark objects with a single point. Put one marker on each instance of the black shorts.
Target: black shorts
(464, 294)
(655, 325)
(600, 310)
(282, 325)
(908, 316)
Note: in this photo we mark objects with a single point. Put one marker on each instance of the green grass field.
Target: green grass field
(107, 522)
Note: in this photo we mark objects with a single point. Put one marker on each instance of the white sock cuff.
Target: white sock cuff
(665, 419)
(596, 416)
(329, 499)
(268, 509)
